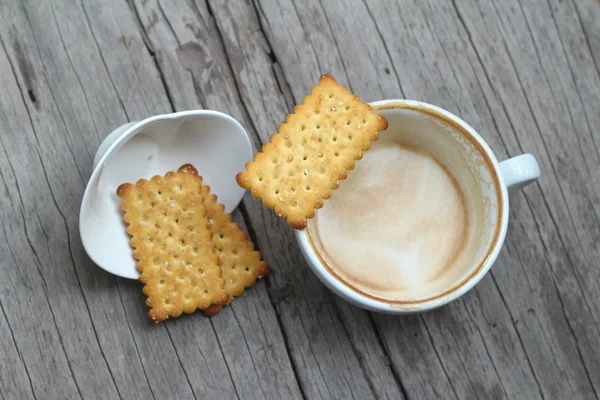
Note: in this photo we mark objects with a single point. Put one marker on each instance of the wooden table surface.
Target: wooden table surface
(524, 73)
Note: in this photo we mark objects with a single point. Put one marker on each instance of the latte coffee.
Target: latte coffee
(421, 218)
(396, 227)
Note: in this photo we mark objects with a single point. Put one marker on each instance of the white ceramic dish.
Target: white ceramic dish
(215, 143)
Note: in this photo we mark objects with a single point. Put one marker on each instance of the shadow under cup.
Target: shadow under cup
(468, 160)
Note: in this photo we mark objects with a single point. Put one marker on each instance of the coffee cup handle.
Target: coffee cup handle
(519, 171)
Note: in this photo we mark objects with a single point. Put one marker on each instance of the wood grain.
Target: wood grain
(525, 74)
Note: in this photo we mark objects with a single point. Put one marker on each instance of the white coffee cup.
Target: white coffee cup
(485, 184)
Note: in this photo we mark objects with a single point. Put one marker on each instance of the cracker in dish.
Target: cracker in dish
(172, 242)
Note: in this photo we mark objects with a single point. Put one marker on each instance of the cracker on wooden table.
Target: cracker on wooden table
(241, 264)
(312, 152)
(172, 243)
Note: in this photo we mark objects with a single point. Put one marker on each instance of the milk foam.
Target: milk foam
(394, 226)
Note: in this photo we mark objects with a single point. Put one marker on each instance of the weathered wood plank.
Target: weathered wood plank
(575, 84)
(38, 226)
(309, 41)
(15, 381)
(588, 14)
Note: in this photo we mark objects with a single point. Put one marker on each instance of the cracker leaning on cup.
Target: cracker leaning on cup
(312, 152)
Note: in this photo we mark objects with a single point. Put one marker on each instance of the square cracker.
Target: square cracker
(167, 221)
(241, 264)
(312, 152)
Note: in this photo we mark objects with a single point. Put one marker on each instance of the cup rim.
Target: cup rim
(373, 303)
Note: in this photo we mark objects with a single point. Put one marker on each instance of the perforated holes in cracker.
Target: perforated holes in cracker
(167, 220)
(241, 264)
(312, 152)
